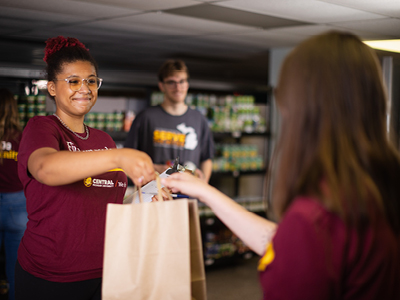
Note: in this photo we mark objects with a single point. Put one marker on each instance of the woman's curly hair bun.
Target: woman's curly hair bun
(57, 43)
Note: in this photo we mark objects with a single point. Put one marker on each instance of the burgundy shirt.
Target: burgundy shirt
(64, 238)
(9, 180)
(315, 257)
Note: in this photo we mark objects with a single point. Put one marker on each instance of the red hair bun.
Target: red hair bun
(57, 43)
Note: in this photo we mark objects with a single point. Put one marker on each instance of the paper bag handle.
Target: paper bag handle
(138, 189)
(159, 189)
(159, 192)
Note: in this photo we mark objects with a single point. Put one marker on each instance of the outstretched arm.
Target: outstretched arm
(255, 231)
(53, 167)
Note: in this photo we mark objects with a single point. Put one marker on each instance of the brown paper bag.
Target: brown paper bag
(153, 251)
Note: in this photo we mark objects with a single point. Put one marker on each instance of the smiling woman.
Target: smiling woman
(72, 97)
(68, 171)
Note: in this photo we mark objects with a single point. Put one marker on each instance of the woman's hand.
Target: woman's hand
(137, 165)
(188, 184)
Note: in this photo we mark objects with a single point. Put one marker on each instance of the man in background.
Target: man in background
(172, 129)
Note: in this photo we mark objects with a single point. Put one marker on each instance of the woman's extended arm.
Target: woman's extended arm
(53, 167)
(253, 230)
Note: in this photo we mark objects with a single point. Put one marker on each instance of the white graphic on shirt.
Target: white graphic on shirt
(8, 153)
(7, 146)
(73, 148)
(191, 136)
(103, 182)
(107, 183)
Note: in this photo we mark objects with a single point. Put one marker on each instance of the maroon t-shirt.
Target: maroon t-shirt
(315, 257)
(9, 180)
(64, 238)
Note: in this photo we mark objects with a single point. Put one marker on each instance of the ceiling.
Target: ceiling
(224, 43)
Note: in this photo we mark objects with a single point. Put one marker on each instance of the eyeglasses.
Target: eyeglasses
(75, 83)
(173, 83)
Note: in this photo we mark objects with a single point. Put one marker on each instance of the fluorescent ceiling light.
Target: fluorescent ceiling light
(387, 45)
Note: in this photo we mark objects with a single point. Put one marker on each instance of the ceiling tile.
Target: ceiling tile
(262, 40)
(66, 7)
(144, 5)
(168, 24)
(305, 11)
(233, 16)
(29, 19)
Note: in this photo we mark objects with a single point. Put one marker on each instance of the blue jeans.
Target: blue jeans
(13, 218)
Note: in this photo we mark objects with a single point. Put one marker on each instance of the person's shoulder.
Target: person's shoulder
(41, 121)
(308, 207)
(306, 204)
(311, 210)
(44, 119)
(39, 129)
(193, 112)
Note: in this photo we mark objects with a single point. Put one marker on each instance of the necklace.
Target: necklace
(65, 125)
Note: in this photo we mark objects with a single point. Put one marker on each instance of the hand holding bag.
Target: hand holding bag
(153, 251)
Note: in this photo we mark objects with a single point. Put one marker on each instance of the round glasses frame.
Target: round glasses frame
(77, 85)
(173, 83)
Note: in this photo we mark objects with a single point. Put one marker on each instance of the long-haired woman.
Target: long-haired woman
(335, 189)
(13, 215)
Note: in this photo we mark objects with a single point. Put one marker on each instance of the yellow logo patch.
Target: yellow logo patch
(87, 182)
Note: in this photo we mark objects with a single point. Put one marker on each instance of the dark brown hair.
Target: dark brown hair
(334, 143)
(9, 118)
(171, 66)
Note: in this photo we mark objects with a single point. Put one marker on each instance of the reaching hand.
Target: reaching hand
(137, 165)
(187, 184)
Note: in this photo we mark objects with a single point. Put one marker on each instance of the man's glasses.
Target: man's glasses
(75, 83)
(173, 83)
